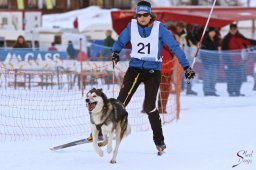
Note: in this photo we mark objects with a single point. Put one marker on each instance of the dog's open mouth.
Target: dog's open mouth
(92, 105)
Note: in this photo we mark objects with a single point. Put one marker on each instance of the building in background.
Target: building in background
(25, 17)
(58, 6)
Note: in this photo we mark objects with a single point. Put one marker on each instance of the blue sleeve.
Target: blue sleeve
(169, 40)
(123, 39)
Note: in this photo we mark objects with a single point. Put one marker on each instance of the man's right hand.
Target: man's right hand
(115, 57)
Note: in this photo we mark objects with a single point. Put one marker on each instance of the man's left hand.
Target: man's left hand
(189, 73)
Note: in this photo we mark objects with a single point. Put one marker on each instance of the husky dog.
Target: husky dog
(108, 115)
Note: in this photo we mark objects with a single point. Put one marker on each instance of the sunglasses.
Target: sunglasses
(144, 15)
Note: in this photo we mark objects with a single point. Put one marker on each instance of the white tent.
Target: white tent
(90, 19)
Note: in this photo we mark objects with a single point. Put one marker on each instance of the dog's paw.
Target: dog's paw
(113, 161)
(100, 152)
(101, 144)
(109, 149)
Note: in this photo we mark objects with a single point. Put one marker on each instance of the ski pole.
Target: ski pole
(201, 39)
(113, 78)
(202, 36)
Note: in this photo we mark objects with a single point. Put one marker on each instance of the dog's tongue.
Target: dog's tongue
(91, 106)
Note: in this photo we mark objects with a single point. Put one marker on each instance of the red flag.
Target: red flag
(75, 23)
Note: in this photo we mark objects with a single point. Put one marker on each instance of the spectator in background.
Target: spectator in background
(166, 77)
(52, 48)
(251, 64)
(2, 42)
(186, 40)
(210, 61)
(20, 42)
(72, 52)
(108, 43)
(254, 86)
(233, 62)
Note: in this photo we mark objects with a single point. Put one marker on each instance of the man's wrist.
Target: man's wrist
(186, 67)
(116, 52)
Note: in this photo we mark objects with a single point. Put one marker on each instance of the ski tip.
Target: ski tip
(52, 149)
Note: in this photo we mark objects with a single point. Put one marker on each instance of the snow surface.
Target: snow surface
(208, 136)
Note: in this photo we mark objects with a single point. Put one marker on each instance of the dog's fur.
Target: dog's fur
(109, 115)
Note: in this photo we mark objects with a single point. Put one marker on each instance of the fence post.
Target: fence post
(81, 68)
(15, 78)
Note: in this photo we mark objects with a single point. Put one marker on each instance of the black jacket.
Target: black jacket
(210, 55)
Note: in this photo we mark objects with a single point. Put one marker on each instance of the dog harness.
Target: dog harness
(118, 109)
(98, 126)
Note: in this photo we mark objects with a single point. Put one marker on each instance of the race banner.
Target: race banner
(28, 54)
(29, 59)
(49, 4)
(20, 4)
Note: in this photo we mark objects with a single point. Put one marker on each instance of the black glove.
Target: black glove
(189, 73)
(115, 57)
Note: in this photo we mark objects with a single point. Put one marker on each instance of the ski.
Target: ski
(74, 143)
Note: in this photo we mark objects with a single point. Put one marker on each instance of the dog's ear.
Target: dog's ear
(100, 90)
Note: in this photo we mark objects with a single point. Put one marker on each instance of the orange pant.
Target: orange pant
(165, 88)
